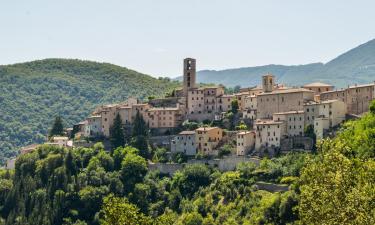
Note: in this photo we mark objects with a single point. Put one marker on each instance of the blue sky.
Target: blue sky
(153, 36)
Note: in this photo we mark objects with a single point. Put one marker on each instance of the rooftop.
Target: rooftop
(266, 121)
(317, 84)
(245, 132)
(206, 128)
(163, 109)
(290, 112)
(362, 85)
(60, 138)
(285, 91)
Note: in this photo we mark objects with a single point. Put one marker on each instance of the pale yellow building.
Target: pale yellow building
(245, 142)
(207, 139)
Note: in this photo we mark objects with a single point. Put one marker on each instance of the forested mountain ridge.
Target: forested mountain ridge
(33, 93)
(354, 66)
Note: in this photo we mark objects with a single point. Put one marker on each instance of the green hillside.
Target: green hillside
(354, 66)
(33, 93)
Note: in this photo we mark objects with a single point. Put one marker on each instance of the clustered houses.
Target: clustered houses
(276, 112)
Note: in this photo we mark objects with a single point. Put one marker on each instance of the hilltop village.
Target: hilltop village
(256, 121)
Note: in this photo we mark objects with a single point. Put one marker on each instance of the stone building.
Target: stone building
(294, 122)
(357, 98)
(318, 87)
(269, 133)
(333, 110)
(163, 117)
(282, 100)
(250, 107)
(94, 126)
(245, 142)
(184, 142)
(207, 139)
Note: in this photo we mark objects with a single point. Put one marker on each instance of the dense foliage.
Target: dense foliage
(88, 185)
(32, 93)
(338, 186)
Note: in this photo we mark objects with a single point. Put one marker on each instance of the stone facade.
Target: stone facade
(283, 100)
(269, 133)
(357, 98)
(207, 139)
(184, 142)
(294, 122)
(245, 142)
(318, 87)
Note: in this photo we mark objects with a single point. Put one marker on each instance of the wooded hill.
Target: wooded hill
(33, 93)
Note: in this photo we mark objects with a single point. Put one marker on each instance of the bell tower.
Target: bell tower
(268, 82)
(189, 75)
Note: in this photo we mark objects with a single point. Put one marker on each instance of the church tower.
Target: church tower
(189, 75)
(268, 82)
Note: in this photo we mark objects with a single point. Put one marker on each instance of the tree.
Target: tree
(117, 136)
(372, 107)
(139, 126)
(241, 126)
(140, 135)
(234, 105)
(141, 143)
(160, 155)
(225, 150)
(309, 132)
(133, 169)
(118, 211)
(193, 218)
(57, 127)
(191, 178)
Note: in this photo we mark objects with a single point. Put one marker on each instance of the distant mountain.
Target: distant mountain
(33, 93)
(354, 66)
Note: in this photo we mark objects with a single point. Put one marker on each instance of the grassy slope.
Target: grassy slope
(32, 93)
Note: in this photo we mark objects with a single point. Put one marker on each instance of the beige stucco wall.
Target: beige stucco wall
(207, 139)
(245, 142)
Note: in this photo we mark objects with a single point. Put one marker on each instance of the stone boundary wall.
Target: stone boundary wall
(226, 164)
(166, 168)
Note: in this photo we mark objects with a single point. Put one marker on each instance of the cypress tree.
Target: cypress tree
(57, 127)
(140, 134)
(117, 136)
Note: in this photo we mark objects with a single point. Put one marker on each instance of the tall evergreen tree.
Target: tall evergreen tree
(117, 136)
(57, 127)
(139, 126)
(140, 135)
